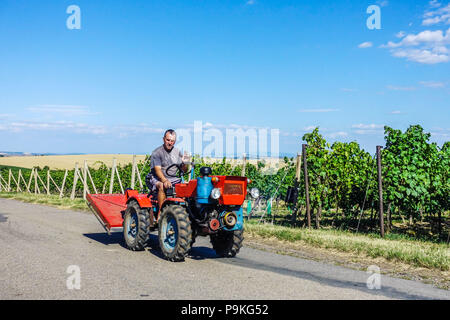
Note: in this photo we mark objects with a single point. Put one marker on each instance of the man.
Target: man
(162, 158)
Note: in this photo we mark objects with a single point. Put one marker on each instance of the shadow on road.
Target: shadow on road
(324, 279)
(196, 253)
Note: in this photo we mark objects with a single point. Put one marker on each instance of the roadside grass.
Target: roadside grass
(393, 247)
(51, 200)
(413, 252)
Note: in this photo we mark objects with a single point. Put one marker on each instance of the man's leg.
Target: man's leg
(161, 193)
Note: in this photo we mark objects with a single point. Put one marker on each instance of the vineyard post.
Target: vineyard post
(43, 184)
(48, 181)
(54, 183)
(120, 181)
(92, 181)
(62, 186)
(20, 176)
(17, 182)
(380, 191)
(29, 181)
(244, 162)
(9, 180)
(75, 180)
(111, 184)
(139, 176)
(296, 184)
(133, 172)
(84, 179)
(305, 167)
(36, 187)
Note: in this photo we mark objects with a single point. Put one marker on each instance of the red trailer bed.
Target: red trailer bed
(108, 209)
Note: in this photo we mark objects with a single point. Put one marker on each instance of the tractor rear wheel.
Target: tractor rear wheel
(136, 223)
(174, 233)
(227, 244)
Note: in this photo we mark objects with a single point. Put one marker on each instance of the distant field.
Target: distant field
(68, 161)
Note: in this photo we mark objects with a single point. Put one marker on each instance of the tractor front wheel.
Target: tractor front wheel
(174, 233)
(227, 244)
(136, 223)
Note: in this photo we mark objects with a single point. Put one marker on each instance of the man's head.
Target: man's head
(169, 139)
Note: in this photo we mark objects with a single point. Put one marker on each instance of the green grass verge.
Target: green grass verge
(413, 252)
(396, 248)
(51, 200)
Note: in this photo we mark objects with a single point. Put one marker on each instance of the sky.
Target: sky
(136, 68)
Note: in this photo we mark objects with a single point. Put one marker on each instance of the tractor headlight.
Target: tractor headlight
(215, 193)
(254, 192)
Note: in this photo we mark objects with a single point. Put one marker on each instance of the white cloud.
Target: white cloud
(66, 110)
(396, 88)
(250, 2)
(80, 128)
(383, 3)
(367, 126)
(396, 112)
(348, 90)
(318, 110)
(432, 84)
(441, 15)
(365, 45)
(427, 47)
(400, 34)
(339, 134)
(434, 4)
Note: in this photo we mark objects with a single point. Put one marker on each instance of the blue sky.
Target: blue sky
(136, 68)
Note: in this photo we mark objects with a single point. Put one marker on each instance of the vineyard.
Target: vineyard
(342, 184)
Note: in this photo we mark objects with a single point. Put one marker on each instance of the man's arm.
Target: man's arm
(166, 182)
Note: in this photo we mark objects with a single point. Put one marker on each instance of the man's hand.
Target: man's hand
(167, 184)
(186, 159)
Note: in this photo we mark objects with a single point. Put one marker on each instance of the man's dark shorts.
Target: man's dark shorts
(151, 180)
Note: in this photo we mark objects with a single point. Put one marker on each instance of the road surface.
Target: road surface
(39, 244)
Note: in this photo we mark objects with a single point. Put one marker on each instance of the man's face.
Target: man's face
(169, 141)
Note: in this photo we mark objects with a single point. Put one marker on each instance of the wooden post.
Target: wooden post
(36, 187)
(9, 180)
(29, 182)
(54, 183)
(48, 181)
(298, 167)
(133, 172)
(61, 193)
(380, 191)
(75, 180)
(17, 182)
(85, 180)
(104, 184)
(18, 178)
(139, 177)
(305, 167)
(296, 185)
(120, 181)
(113, 170)
(43, 184)
(92, 181)
(244, 162)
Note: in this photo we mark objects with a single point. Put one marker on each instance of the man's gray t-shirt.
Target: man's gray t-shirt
(160, 157)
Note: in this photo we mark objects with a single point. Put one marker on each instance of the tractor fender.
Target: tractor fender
(142, 199)
(176, 201)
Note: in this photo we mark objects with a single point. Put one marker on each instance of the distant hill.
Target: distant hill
(28, 154)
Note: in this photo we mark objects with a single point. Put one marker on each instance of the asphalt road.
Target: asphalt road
(39, 243)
